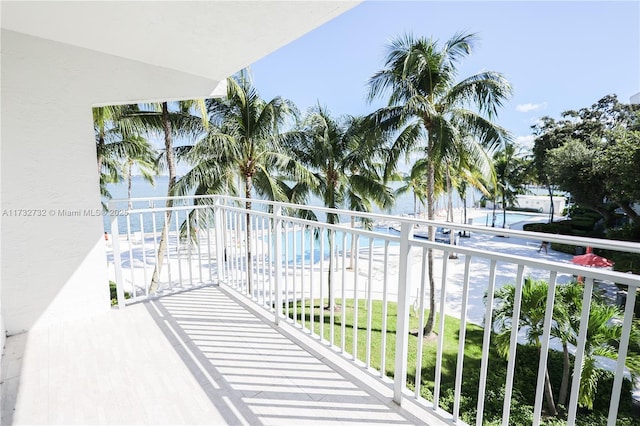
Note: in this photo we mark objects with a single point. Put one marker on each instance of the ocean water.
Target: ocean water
(140, 188)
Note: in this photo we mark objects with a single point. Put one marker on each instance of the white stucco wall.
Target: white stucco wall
(58, 60)
(53, 266)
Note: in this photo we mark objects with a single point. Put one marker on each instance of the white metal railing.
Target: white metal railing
(284, 264)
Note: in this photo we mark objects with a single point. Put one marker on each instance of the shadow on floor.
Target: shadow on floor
(254, 374)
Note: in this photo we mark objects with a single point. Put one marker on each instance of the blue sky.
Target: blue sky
(557, 55)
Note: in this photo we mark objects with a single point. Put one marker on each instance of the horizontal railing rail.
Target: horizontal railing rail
(354, 287)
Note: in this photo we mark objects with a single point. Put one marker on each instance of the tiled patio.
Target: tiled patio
(198, 357)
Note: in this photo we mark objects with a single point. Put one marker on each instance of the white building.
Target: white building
(60, 59)
(542, 203)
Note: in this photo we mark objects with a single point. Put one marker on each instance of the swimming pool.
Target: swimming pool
(510, 220)
(293, 242)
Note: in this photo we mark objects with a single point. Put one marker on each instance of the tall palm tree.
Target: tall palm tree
(244, 141)
(145, 162)
(468, 164)
(472, 175)
(430, 110)
(343, 155)
(173, 120)
(511, 174)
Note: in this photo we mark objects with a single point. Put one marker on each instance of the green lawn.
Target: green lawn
(473, 344)
(525, 374)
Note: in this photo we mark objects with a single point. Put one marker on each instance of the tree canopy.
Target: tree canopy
(593, 154)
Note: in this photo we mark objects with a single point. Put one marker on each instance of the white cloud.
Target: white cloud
(530, 107)
(525, 142)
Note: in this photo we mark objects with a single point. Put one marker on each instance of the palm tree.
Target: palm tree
(429, 109)
(145, 162)
(604, 329)
(532, 313)
(415, 181)
(343, 155)
(472, 175)
(511, 174)
(567, 309)
(116, 142)
(468, 164)
(175, 120)
(245, 142)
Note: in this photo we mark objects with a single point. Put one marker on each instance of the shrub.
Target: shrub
(114, 293)
(533, 227)
(627, 232)
(564, 248)
(525, 209)
(583, 223)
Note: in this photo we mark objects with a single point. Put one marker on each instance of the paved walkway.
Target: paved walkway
(199, 357)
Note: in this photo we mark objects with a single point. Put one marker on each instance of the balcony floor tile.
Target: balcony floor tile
(199, 357)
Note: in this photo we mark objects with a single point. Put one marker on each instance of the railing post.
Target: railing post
(622, 356)
(117, 261)
(220, 229)
(402, 325)
(277, 237)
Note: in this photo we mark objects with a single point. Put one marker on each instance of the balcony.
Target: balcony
(242, 327)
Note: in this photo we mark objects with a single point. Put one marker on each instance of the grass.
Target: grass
(472, 352)
(525, 373)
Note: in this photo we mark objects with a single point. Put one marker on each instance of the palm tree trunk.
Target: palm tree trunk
(566, 374)
(428, 327)
(100, 149)
(449, 198)
(171, 165)
(450, 208)
(504, 211)
(493, 216)
(129, 181)
(247, 194)
(464, 203)
(548, 393)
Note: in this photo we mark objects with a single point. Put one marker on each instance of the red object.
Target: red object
(591, 259)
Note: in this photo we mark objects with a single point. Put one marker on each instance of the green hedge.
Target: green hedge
(623, 261)
(526, 209)
(583, 223)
